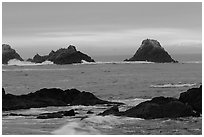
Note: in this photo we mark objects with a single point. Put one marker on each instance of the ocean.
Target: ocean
(109, 79)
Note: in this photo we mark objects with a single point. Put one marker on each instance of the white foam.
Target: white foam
(92, 124)
(114, 62)
(169, 85)
(130, 102)
(15, 62)
(83, 107)
(192, 62)
(76, 128)
(104, 120)
(37, 69)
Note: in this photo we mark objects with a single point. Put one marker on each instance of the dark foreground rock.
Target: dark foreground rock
(59, 114)
(189, 104)
(50, 97)
(193, 97)
(160, 107)
(63, 56)
(8, 53)
(89, 112)
(151, 50)
(111, 111)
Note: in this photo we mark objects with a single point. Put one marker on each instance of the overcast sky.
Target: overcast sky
(101, 28)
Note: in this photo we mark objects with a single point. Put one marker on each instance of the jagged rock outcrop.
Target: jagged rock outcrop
(160, 107)
(151, 50)
(58, 114)
(188, 104)
(111, 111)
(63, 56)
(193, 97)
(50, 97)
(8, 53)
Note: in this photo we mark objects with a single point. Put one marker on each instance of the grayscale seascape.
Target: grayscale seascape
(113, 71)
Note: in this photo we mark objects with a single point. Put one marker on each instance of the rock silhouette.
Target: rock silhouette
(50, 97)
(189, 104)
(151, 50)
(193, 97)
(63, 56)
(160, 107)
(8, 53)
(58, 114)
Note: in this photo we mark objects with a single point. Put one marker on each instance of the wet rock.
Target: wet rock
(111, 111)
(3, 92)
(151, 50)
(50, 115)
(68, 113)
(58, 114)
(8, 53)
(160, 107)
(193, 97)
(50, 97)
(89, 112)
(87, 98)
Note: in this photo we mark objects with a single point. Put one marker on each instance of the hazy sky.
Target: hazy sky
(101, 28)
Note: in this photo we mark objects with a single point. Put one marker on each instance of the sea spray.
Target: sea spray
(26, 63)
(169, 85)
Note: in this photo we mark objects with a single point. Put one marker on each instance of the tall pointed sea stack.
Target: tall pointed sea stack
(8, 53)
(151, 50)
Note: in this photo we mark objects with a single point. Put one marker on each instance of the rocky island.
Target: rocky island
(151, 50)
(188, 104)
(62, 56)
(8, 53)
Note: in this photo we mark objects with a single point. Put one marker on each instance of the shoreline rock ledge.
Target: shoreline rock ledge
(8, 53)
(188, 104)
(51, 97)
(62, 56)
(151, 50)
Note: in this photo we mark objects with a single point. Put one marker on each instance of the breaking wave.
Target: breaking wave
(92, 125)
(173, 85)
(192, 62)
(116, 62)
(15, 62)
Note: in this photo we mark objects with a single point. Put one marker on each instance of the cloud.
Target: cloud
(119, 41)
(168, 36)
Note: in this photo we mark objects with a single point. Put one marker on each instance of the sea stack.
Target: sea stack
(8, 53)
(62, 56)
(151, 50)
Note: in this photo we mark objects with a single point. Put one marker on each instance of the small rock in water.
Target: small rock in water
(58, 114)
(89, 112)
(50, 115)
(111, 111)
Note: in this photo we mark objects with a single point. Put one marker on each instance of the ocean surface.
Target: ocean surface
(109, 79)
